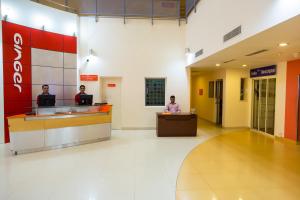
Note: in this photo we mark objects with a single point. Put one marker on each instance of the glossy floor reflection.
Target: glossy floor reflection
(241, 165)
(133, 165)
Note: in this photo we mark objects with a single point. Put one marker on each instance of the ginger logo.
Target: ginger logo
(18, 42)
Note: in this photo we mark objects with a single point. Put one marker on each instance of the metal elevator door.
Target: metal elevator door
(263, 107)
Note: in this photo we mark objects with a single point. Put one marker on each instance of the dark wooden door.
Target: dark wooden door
(219, 101)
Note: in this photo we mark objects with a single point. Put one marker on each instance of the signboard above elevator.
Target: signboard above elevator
(263, 71)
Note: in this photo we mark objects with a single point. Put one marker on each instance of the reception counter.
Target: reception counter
(57, 127)
(176, 124)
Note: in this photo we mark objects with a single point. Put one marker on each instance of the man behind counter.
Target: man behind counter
(172, 106)
(82, 98)
(45, 99)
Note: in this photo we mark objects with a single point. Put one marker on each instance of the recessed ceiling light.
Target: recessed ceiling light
(218, 65)
(283, 44)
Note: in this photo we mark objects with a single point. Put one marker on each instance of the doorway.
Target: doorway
(219, 101)
(263, 107)
(111, 93)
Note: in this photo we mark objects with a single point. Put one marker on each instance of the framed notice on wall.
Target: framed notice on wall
(111, 85)
(200, 92)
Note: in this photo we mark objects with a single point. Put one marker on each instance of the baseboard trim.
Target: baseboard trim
(241, 127)
(138, 128)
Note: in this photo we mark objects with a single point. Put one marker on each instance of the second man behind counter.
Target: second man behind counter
(45, 99)
(82, 98)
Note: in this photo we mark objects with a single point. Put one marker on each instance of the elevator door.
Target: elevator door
(263, 107)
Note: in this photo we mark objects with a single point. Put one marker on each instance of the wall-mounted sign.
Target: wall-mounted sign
(88, 77)
(111, 85)
(263, 71)
(21, 47)
(200, 92)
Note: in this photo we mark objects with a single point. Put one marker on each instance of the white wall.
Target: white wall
(135, 51)
(236, 112)
(280, 99)
(215, 18)
(35, 15)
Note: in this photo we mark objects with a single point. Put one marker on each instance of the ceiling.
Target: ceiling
(139, 8)
(288, 31)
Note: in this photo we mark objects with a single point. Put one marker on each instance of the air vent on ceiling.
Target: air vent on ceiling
(257, 52)
(228, 61)
(232, 33)
(199, 53)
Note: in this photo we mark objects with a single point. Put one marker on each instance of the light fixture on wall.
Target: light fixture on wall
(218, 65)
(190, 56)
(244, 65)
(5, 18)
(91, 53)
(187, 51)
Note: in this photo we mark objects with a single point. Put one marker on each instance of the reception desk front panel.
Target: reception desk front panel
(36, 133)
(176, 124)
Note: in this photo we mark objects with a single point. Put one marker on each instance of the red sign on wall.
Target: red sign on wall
(89, 77)
(111, 85)
(16, 71)
(17, 43)
(200, 92)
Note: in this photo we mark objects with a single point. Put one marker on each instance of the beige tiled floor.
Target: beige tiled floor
(241, 165)
(133, 165)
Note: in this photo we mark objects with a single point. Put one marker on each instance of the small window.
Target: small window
(243, 90)
(211, 86)
(154, 91)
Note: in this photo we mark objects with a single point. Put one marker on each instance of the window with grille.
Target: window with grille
(155, 91)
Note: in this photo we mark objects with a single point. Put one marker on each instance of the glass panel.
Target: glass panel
(271, 106)
(263, 105)
(110, 7)
(164, 8)
(87, 7)
(131, 8)
(255, 104)
(139, 8)
(67, 110)
(189, 5)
